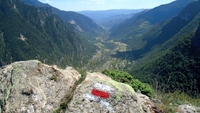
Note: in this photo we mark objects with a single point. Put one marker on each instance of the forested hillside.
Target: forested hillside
(177, 69)
(172, 61)
(162, 32)
(31, 33)
(83, 24)
(143, 21)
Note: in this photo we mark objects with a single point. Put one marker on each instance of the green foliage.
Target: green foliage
(143, 21)
(176, 69)
(171, 61)
(88, 28)
(151, 39)
(126, 78)
(27, 32)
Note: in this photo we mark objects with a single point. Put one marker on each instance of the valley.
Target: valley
(158, 46)
(103, 58)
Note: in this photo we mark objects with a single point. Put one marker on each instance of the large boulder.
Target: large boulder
(33, 87)
(188, 109)
(100, 94)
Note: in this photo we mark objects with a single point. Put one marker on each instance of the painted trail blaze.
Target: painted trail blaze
(99, 93)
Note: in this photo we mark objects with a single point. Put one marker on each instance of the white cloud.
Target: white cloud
(122, 0)
(46, 1)
(99, 1)
(84, 2)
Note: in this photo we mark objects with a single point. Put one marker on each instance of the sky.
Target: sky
(82, 5)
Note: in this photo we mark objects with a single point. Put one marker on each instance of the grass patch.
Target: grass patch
(171, 101)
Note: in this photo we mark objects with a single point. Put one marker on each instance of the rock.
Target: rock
(100, 94)
(188, 109)
(33, 87)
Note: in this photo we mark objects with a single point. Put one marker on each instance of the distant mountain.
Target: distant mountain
(163, 31)
(117, 16)
(82, 23)
(115, 20)
(31, 33)
(140, 23)
(170, 58)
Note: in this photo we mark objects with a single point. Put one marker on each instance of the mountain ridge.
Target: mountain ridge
(114, 15)
(83, 24)
(174, 64)
(38, 33)
(142, 22)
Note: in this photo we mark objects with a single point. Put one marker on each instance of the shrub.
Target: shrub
(126, 78)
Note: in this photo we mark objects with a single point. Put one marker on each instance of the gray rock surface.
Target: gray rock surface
(188, 109)
(33, 87)
(122, 98)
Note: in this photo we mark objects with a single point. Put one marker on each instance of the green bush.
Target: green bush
(126, 78)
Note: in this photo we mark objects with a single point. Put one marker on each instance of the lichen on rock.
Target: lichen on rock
(34, 87)
(26, 86)
(122, 98)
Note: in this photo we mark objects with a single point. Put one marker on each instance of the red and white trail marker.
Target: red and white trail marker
(99, 94)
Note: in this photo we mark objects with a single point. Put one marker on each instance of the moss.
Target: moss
(76, 100)
(129, 88)
(126, 78)
(119, 88)
(1, 106)
(18, 69)
(7, 95)
(54, 77)
(37, 61)
(116, 84)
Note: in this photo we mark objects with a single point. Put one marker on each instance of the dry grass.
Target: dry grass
(171, 101)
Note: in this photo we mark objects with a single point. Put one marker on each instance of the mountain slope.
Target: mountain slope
(140, 23)
(173, 63)
(177, 69)
(162, 32)
(82, 23)
(31, 33)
